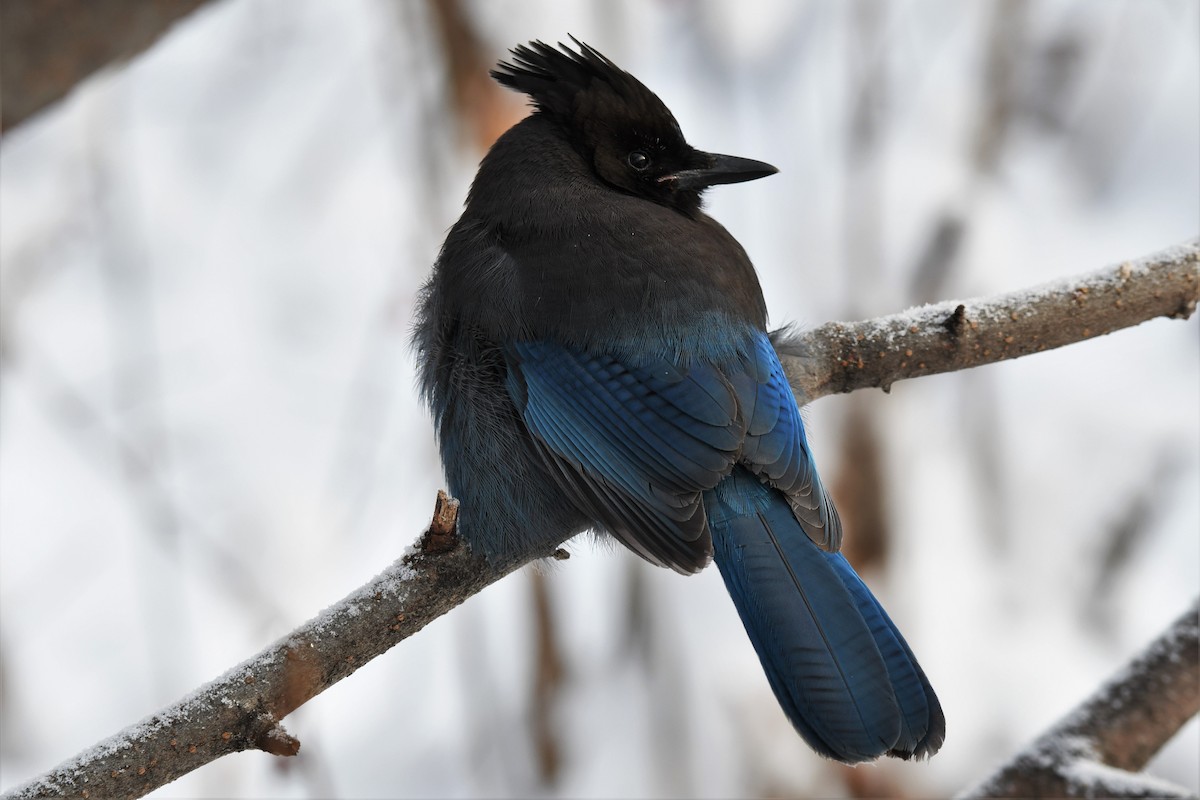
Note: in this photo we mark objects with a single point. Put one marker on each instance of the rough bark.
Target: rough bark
(1099, 747)
(242, 709)
(840, 357)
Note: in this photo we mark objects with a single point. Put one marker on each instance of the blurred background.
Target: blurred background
(208, 426)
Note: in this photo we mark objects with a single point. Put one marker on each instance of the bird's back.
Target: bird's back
(545, 250)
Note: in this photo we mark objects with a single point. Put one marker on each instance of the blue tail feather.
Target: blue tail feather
(923, 724)
(839, 668)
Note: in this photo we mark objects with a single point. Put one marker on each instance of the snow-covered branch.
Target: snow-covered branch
(840, 357)
(242, 709)
(1099, 747)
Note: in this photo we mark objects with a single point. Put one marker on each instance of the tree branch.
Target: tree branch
(47, 47)
(1097, 749)
(840, 357)
(242, 709)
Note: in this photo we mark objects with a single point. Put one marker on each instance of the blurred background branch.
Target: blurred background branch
(49, 46)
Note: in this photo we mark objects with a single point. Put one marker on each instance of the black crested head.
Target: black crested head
(567, 85)
(619, 126)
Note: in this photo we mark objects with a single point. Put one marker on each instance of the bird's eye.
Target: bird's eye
(638, 160)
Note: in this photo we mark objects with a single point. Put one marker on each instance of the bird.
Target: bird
(594, 350)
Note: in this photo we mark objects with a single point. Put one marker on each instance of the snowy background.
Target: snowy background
(209, 431)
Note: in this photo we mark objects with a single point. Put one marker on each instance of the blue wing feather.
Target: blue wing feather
(679, 461)
(641, 442)
(658, 434)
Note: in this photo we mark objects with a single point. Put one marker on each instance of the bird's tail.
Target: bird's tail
(842, 672)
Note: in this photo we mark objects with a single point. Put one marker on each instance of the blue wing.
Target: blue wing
(776, 449)
(636, 446)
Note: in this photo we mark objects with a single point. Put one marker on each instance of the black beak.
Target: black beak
(720, 169)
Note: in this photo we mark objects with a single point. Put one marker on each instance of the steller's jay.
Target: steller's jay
(594, 350)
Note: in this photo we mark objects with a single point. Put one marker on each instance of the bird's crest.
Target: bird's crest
(562, 82)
